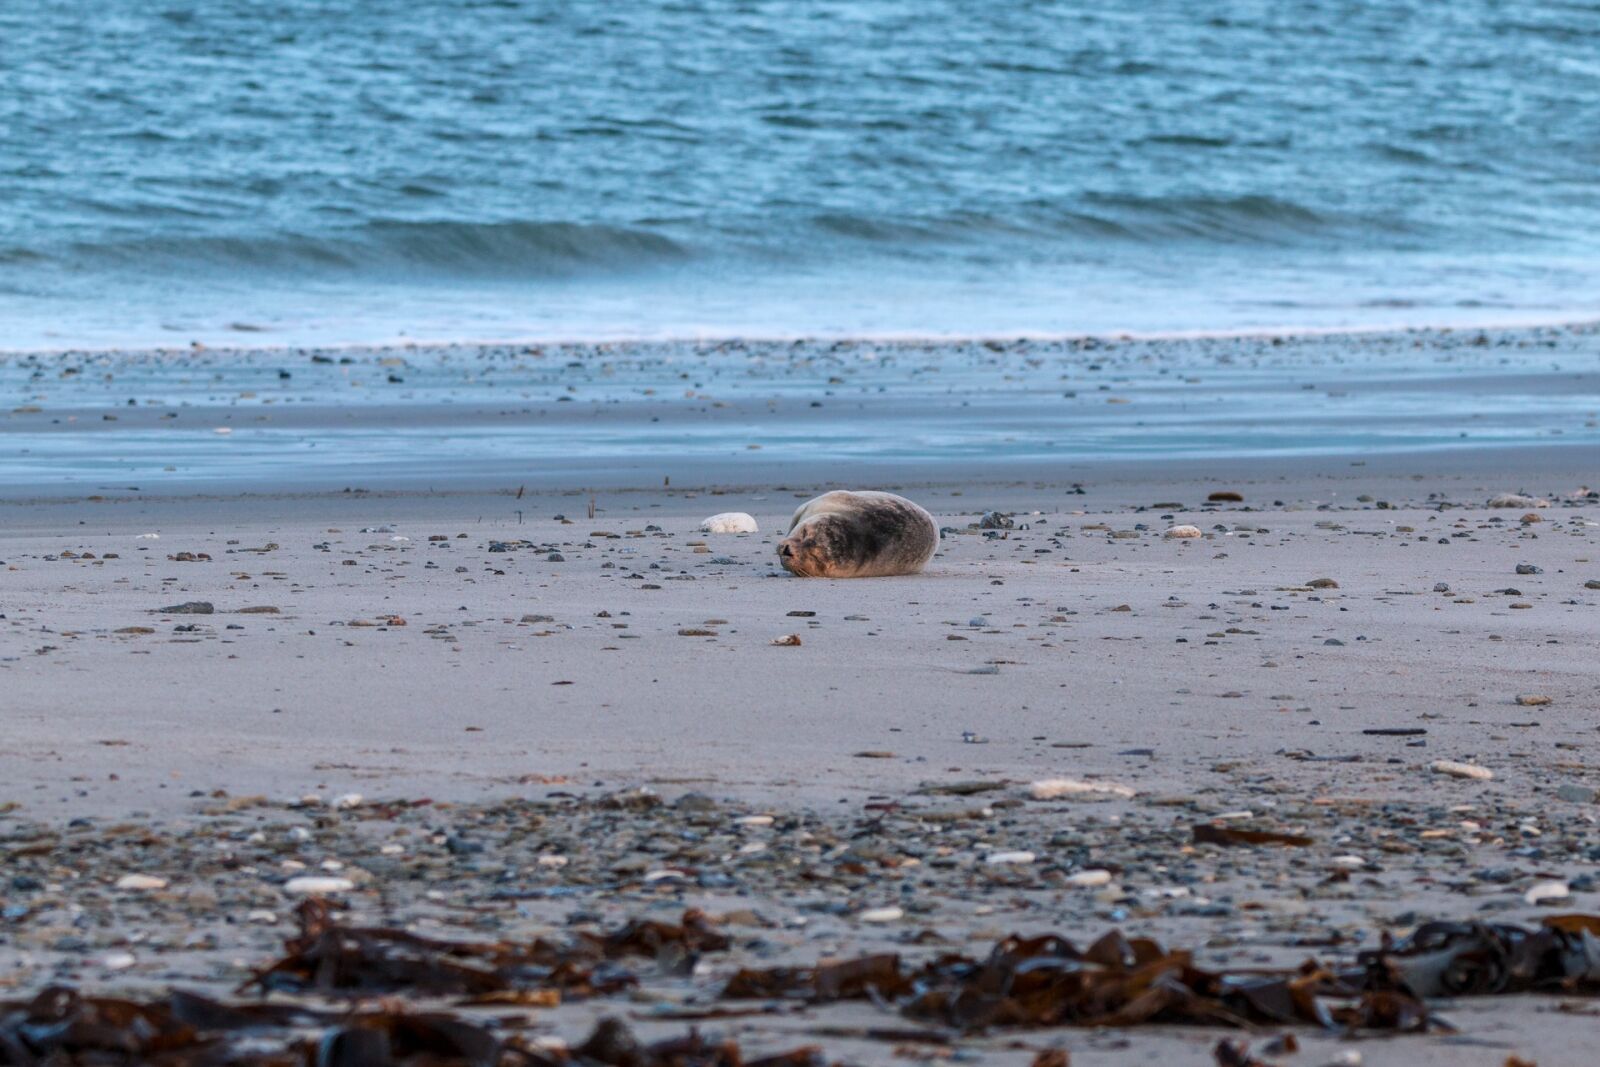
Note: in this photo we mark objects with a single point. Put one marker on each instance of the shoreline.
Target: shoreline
(753, 413)
(1579, 324)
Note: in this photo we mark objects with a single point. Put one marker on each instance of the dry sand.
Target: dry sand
(378, 644)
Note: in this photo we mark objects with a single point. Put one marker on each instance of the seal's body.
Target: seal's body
(858, 535)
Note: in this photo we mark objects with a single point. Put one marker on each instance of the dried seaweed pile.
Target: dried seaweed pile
(61, 1027)
(1023, 983)
(329, 957)
(1122, 982)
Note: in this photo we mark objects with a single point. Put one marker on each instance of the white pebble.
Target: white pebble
(753, 820)
(224, 430)
(1185, 532)
(998, 859)
(882, 915)
(1053, 788)
(1090, 878)
(118, 961)
(311, 885)
(141, 882)
(262, 917)
(1543, 891)
(664, 874)
(736, 522)
(349, 800)
(1460, 770)
(554, 862)
(1350, 862)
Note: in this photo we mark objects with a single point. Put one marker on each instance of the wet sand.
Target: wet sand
(481, 646)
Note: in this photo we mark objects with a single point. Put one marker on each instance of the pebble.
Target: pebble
(787, 641)
(118, 961)
(1322, 583)
(1577, 794)
(882, 915)
(1001, 859)
(1185, 532)
(1532, 700)
(1054, 788)
(1089, 879)
(313, 885)
(730, 522)
(1460, 770)
(141, 882)
(1540, 892)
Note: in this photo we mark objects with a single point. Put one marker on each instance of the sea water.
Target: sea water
(309, 171)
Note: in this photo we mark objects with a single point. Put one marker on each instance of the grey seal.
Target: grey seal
(858, 535)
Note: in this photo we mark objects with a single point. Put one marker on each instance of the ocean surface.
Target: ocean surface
(326, 171)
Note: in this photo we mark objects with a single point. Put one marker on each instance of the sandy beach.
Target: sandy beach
(197, 664)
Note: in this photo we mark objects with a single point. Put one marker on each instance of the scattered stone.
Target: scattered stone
(1322, 583)
(1539, 892)
(996, 520)
(1528, 568)
(141, 882)
(189, 607)
(1185, 532)
(1089, 879)
(882, 915)
(1533, 700)
(1460, 770)
(1577, 794)
(1001, 859)
(313, 885)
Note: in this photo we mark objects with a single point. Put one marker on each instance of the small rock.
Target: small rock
(1543, 891)
(1577, 794)
(1185, 532)
(118, 961)
(189, 607)
(141, 882)
(1528, 568)
(1533, 700)
(1001, 859)
(882, 915)
(996, 520)
(1460, 770)
(314, 885)
(1322, 583)
(1089, 879)
(787, 640)
(730, 522)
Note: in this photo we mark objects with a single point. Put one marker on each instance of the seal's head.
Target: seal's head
(823, 546)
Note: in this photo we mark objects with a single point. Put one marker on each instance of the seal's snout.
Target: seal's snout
(786, 550)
